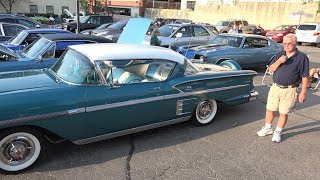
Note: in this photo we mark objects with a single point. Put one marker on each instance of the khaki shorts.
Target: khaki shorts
(282, 99)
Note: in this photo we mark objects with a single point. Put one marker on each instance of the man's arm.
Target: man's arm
(276, 64)
(303, 93)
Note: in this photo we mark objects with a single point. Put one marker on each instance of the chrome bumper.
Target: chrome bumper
(253, 95)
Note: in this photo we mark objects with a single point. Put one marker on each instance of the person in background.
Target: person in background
(314, 74)
(289, 67)
(234, 29)
(240, 28)
(258, 30)
(154, 41)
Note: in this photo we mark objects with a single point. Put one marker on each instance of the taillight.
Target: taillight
(316, 34)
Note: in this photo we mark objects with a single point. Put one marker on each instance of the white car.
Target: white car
(308, 33)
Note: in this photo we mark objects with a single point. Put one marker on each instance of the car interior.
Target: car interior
(138, 71)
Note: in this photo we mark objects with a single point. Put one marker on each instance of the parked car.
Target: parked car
(36, 17)
(225, 26)
(26, 37)
(279, 32)
(309, 33)
(182, 34)
(253, 29)
(44, 52)
(112, 32)
(88, 22)
(9, 30)
(18, 19)
(245, 49)
(100, 91)
(103, 26)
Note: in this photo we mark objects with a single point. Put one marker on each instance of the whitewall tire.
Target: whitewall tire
(205, 112)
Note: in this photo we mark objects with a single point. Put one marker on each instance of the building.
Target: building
(41, 6)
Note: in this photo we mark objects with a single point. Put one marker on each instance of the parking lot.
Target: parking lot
(226, 149)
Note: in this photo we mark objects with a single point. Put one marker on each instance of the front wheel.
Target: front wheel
(205, 112)
(20, 149)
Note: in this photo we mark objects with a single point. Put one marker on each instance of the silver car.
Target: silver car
(182, 34)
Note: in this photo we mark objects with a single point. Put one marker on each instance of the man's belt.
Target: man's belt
(284, 87)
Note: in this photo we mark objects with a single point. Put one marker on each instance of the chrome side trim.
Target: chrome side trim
(203, 91)
(32, 118)
(27, 119)
(179, 106)
(130, 131)
(124, 103)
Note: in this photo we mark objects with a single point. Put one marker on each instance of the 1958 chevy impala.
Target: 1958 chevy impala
(99, 91)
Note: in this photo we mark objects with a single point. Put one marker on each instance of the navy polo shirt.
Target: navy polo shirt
(292, 71)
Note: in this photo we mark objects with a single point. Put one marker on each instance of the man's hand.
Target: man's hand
(283, 59)
(302, 97)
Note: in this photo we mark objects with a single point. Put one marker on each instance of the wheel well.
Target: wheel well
(221, 60)
(50, 136)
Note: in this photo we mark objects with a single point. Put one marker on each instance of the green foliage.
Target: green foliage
(84, 5)
(318, 11)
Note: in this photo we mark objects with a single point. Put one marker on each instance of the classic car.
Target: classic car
(9, 30)
(100, 91)
(182, 34)
(26, 37)
(37, 17)
(279, 32)
(18, 19)
(103, 26)
(44, 52)
(113, 31)
(247, 50)
(88, 22)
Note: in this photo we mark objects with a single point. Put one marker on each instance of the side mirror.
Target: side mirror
(39, 59)
(178, 35)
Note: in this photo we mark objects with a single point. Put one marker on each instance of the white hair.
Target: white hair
(291, 36)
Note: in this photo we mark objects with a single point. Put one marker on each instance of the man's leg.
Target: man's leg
(281, 123)
(266, 129)
(269, 116)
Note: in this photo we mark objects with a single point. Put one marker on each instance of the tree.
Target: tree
(84, 5)
(8, 4)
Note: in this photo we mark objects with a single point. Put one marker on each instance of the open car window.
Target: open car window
(74, 67)
(136, 71)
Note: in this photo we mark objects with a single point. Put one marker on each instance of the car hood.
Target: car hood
(26, 80)
(276, 32)
(6, 51)
(212, 47)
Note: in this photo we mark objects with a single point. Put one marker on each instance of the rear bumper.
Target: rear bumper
(312, 39)
(253, 95)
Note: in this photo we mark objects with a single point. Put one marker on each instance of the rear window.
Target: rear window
(307, 27)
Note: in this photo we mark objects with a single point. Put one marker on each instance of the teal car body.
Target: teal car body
(88, 96)
(247, 50)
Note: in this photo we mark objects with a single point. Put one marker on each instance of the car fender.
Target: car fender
(230, 64)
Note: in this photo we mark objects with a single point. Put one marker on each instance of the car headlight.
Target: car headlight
(280, 34)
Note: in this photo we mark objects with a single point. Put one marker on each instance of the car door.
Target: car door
(187, 36)
(132, 97)
(201, 35)
(255, 52)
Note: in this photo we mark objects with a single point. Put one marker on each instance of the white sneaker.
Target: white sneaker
(276, 136)
(264, 131)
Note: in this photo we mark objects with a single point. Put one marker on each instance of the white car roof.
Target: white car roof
(114, 51)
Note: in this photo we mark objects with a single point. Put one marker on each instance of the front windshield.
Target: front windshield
(223, 23)
(18, 38)
(84, 19)
(281, 28)
(118, 25)
(190, 68)
(37, 46)
(226, 40)
(75, 68)
(167, 30)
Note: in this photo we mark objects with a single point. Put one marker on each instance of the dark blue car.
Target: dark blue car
(43, 52)
(25, 37)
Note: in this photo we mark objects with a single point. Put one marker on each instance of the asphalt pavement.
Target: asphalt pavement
(226, 149)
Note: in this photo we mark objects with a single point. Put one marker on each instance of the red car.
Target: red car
(277, 33)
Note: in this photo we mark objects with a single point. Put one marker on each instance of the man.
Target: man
(257, 30)
(289, 67)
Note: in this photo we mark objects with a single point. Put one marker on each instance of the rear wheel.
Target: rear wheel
(205, 112)
(20, 148)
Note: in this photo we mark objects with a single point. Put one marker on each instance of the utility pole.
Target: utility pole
(78, 18)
